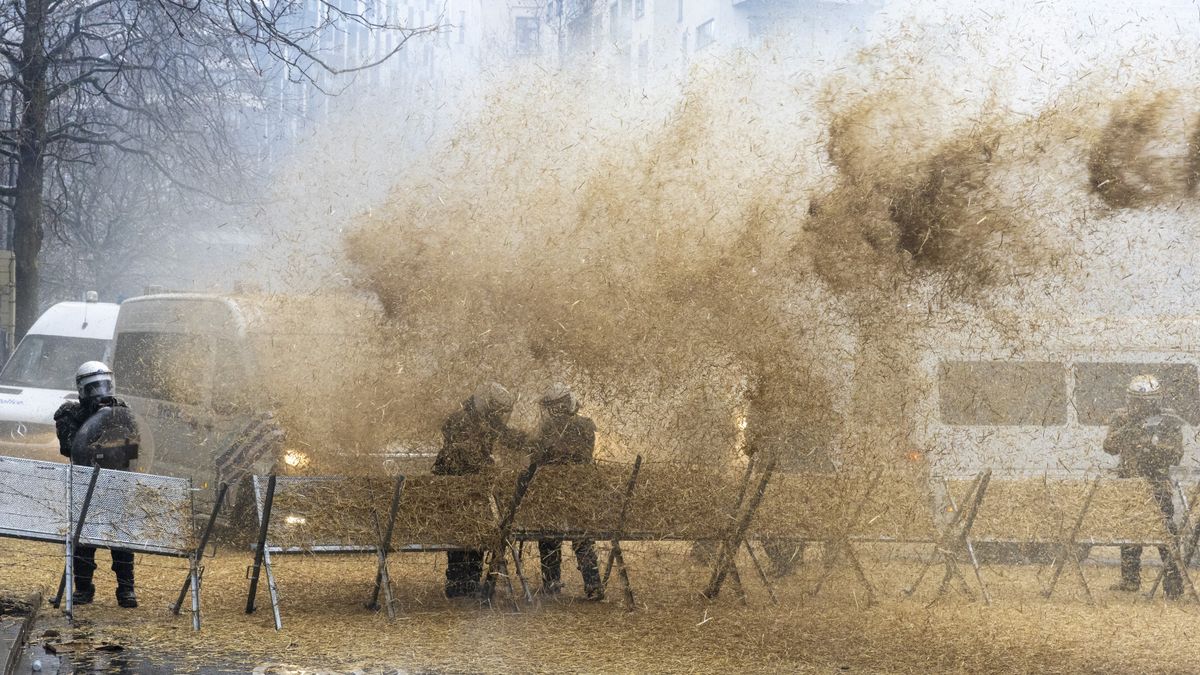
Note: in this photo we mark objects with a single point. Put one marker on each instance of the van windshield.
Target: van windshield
(163, 366)
(50, 361)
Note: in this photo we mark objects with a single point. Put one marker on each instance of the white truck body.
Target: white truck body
(1043, 407)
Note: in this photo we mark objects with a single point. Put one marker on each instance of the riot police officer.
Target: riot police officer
(1148, 439)
(470, 437)
(566, 437)
(98, 430)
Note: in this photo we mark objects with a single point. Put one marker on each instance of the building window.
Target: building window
(462, 27)
(528, 35)
(639, 8)
(683, 47)
(679, 12)
(705, 35)
(614, 20)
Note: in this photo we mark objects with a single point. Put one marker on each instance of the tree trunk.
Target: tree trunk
(31, 135)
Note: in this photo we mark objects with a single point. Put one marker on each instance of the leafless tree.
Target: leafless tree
(562, 17)
(161, 80)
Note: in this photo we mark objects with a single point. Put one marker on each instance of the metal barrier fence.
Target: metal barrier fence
(614, 502)
(335, 515)
(494, 512)
(110, 509)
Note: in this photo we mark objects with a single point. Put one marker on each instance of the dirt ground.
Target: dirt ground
(673, 630)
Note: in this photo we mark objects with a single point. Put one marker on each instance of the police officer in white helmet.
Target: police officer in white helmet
(98, 430)
(1148, 440)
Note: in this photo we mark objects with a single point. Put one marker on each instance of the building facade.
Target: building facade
(457, 40)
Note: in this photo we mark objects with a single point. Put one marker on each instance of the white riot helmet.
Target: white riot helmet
(560, 397)
(492, 398)
(94, 380)
(1145, 387)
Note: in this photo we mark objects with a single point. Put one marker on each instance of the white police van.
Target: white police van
(40, 375)
(206, 375)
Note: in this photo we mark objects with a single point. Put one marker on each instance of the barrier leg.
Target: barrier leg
(502, 529)
(263, 506)
(852, 557)
(272, 588)
(1182, 550)
(195, 578)
(762, 576)
(952, 573)
(840, 546)
(961, 533)
(73, 542)
(614, 552)
(1173, 551)
(194, 567)
(736, 577)
(946, 541)
(382, 578)
(729, 550)
(623, 571)
(832, 549)
(724, 555)
(983, 589)
(1067, 546)
(1080, 576)
(516, 556)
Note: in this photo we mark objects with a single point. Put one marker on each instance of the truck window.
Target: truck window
(1100, 389)
(162, 366)
(49, 361)
(1003, 393)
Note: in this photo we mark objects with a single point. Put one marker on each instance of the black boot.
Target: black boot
(122, 565)
(126, 596)
(84, 592)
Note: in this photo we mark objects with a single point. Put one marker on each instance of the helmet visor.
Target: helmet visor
(97, 388)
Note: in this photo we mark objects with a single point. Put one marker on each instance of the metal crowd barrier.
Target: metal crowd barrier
(336, 515)
(137, 512)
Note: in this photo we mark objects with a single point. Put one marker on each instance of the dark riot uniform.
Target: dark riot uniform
(99, 432)
(1149, 443)
(468, 442)
(567, 439)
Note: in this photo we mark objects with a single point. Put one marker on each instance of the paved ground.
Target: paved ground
(673, 629)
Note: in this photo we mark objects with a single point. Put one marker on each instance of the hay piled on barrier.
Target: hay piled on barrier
(1123, 511)
(154, 515)
(448, 510)
(326, 512)
(1040, 510)
(1027, 510)
(434, 511)
(582, 499)
(825, 506)
(679, 501)
(811, 507)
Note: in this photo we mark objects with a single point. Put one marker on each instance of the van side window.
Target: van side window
(162, 366)
(1003, 393)
(1100, 389)
(231, 383)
